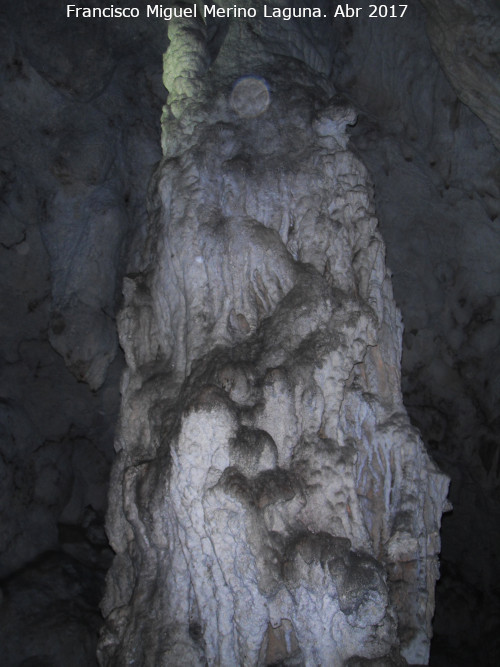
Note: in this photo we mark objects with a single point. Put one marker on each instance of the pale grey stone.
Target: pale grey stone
(270, 501)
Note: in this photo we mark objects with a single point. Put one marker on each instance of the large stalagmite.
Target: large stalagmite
(270, 501)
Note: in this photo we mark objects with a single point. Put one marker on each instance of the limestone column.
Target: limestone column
(270, 501)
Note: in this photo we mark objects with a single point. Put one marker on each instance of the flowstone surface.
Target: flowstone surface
(270, 502)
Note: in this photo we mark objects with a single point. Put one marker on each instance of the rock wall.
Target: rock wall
(437, 196)
(79, 117)
(270, 501)
(465, 37)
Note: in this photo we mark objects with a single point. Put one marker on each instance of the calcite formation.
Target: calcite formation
(270, 501)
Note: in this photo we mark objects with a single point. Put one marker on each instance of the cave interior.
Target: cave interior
(80, 110)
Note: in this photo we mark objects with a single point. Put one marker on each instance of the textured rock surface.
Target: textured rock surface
(437, 198)
(70, 192)
(465, 35)
(48, 613)
(270, 501)
(77, 97)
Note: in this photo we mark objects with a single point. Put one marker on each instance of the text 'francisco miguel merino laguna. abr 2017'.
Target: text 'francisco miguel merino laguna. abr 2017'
(214, 11)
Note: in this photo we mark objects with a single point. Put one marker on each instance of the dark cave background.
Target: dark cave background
(80, 109)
